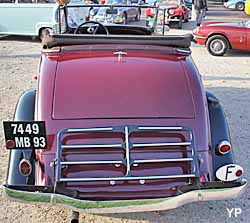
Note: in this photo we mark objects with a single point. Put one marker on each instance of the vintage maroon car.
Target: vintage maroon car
(219, 37)
(119, 123)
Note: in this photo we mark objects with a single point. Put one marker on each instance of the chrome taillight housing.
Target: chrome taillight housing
(224, 147)
(25, 167)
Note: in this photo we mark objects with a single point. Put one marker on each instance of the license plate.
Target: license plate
(25, 135)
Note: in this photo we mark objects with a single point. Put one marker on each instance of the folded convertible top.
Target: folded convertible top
(57, 40)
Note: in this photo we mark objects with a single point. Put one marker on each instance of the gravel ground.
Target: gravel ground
(228, 77)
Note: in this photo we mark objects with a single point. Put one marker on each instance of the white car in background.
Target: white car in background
(235, 4)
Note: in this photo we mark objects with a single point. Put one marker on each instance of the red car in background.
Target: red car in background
(219, 37)
(175, 11)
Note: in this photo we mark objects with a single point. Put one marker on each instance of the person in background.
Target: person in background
(75, 15)
(200, 8)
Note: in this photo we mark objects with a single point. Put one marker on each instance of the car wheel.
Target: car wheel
(240, 6)
(180, 22)
(217, 45)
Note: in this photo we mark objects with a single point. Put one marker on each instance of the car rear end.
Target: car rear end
(117, 140)
(127, 131)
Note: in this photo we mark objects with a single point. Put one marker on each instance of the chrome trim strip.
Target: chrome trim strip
(126, 178)
(201, 37)
(164, 160)
(183, 51)
(224, 143)
(54, 50)
(162, 144)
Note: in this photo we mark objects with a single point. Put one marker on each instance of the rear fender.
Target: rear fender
(24, 112)
(219, 132)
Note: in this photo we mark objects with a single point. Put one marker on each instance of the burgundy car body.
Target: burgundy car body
(237, 33)
(129, 126)
(119, 96)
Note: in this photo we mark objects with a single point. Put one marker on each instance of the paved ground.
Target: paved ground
(228, 77)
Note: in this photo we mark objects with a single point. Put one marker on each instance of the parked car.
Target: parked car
(219, 37)
(22, 18)
(35, 18)
(235, 4)
(176, 11)
(120, 15)
(119, 123)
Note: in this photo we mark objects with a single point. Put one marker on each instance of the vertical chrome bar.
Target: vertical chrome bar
(59, 156)
(191, 137)
(194, 155)
(127, 150)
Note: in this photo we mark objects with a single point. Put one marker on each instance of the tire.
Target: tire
(180, 22)
(43, 32)
(217, 45)
(240, 6)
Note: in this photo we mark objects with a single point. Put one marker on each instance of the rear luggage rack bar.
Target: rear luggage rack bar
(126, 147)
(88, 130)
(163, 144)
(91, 162)
(127, 178)
(164, 160)
(177, 128)
(74, 146)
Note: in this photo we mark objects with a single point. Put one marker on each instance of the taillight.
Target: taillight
(25, 167)
(224, 147)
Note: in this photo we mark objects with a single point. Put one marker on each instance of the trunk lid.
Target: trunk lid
(94, 87)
